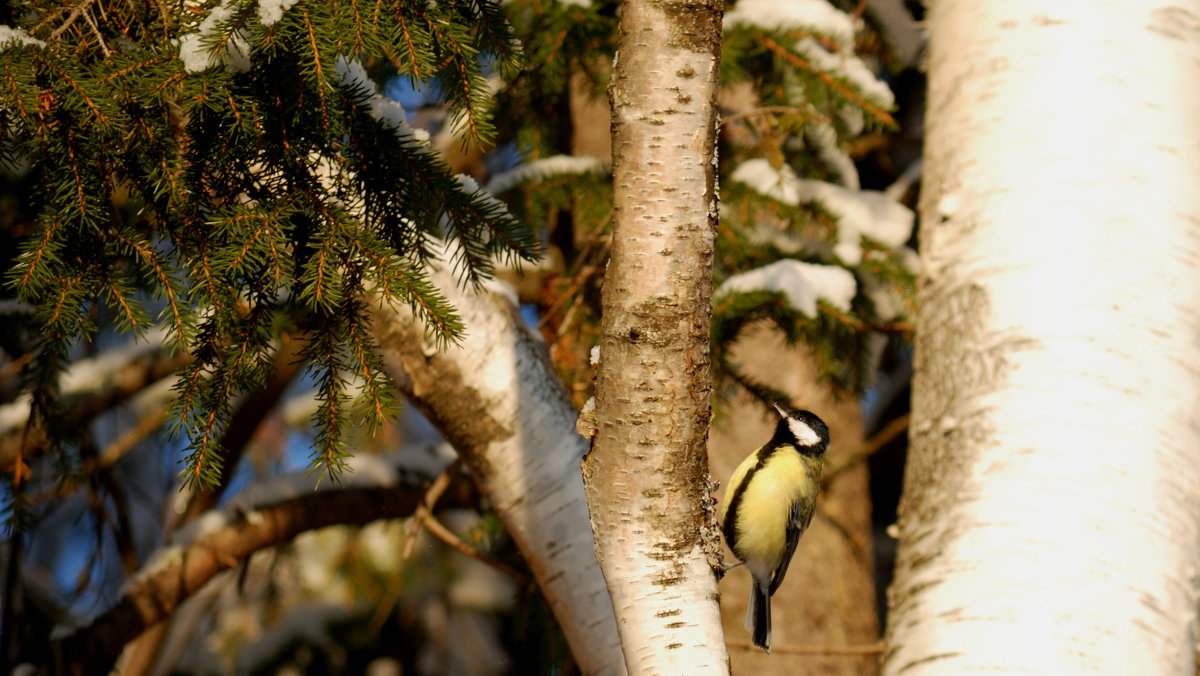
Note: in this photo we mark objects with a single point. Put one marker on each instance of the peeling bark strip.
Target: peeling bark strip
(646, 473)
(496, 398)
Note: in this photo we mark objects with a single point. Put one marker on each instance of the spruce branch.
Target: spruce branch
(248, 193)
(76, 11)
(29, 263)
(359, 40)
(466, 85)
(834, 83)
(130, 314)
(414, 58)
(168, 285)
(318, 70)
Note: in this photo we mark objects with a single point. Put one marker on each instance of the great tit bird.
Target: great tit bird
(768, 505)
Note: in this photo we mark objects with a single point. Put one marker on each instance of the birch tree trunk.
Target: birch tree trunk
(1051, 514)
(496, 398)
(645, 477)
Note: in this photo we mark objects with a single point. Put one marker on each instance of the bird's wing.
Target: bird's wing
(798, 521)
(795, 528)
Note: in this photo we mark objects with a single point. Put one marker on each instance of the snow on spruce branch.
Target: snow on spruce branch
(470, 186)
(196, 49)
(822, 22)
(542, 170)
(826, 50)
(91, 377)
(823, 139)
(271, 11)
(846, 66)
(15, 37)
(802, 284)
(391, 114)
(814, 16)
(859, 212)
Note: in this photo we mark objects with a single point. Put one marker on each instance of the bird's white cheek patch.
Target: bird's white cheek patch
(803, 433)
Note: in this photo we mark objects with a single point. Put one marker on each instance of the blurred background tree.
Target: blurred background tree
(241, 184)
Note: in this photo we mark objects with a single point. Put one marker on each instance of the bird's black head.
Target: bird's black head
(802, 429)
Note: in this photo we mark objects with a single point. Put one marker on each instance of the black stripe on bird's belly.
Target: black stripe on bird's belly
(728, 528)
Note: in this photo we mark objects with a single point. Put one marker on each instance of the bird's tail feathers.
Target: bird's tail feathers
(758, 615)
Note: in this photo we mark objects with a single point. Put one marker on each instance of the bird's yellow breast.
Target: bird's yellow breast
(764, 510)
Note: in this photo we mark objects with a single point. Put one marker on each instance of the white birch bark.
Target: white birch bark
(1051, 516)
(497, 399)
(645, 476)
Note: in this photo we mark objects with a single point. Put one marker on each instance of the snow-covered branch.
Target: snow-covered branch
(497, 400)
(92, 386)
(223, 539)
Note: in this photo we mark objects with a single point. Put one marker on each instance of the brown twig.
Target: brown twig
(95, 29)
(47, 19)
(768, 110)
(599, 247)
(132, 437)
(423, 517)
(79, 9)
(891, 328)
(110, 454)
(828, 79)
(442, 533)
(895, 328)
(846, 650)
(860, 546)
(34, 441)
(862, 7)
(428, 500)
